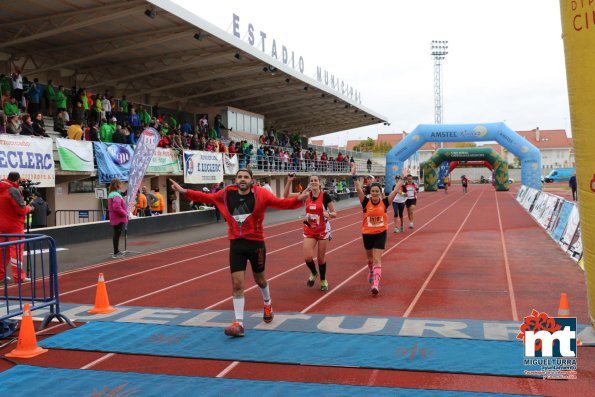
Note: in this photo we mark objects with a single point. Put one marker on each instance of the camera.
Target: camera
(28, 188)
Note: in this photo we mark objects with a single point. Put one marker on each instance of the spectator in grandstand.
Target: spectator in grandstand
(218, 126)
(11, 106)
(106, 107)
(14, 125)
(369, 165)
(203, 123)
(59, 124)
(75, 132)
(41, 212)
(118, 214)
(13, 209)
(374, 226)
(78, 113)
(82, 96)
(119, 135)
(27, 125)
(50, 96)
(17, 87)
(134, 120)
(316, 228)
(124, 104)
(2, 124)
(39, 125)
(60, 100)
(34, 95)
(243, 206)
(98, 109)
(93, 132)
(107, 130)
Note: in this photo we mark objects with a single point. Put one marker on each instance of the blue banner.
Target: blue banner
(442, 171)
(144, 151)
(113, 161)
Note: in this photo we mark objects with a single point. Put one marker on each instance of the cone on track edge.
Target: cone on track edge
(563, 309)
(102, 305)
(27, 344)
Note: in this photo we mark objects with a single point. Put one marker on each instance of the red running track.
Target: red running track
(473, 256)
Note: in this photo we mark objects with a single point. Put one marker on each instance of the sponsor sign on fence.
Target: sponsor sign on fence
(75, 155)
(203, 167)
(33, 158)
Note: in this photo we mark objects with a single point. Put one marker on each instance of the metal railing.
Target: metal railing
(72, 217)
(35, 256)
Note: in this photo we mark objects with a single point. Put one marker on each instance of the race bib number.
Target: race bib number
(313, 219)
(375, 221)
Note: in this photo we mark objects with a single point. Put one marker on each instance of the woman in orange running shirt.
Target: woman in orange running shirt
(374, 226)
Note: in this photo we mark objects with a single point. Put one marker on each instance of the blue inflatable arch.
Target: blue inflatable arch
(528, 154)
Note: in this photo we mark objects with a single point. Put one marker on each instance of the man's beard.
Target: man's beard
(244, 189)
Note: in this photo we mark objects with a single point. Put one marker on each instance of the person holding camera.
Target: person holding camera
(13, 209)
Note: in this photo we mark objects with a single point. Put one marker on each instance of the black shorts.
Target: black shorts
(377, 240)
(241, 251)
(410, 202)
(398, 209)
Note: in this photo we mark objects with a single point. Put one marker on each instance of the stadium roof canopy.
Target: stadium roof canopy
(158, 52)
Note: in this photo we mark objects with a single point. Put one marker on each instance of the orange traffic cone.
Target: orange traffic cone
(27, 344)
(563, 309)
(101, 301)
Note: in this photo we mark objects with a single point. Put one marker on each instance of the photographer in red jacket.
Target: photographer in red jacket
(13, 209)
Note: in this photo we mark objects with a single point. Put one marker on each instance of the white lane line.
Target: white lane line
(513, 307)
(439, 262)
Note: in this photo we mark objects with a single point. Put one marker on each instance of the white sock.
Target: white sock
(266, 295)
(238, 308)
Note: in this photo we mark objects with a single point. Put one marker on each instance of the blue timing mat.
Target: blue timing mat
(365, 351)
(24, 380)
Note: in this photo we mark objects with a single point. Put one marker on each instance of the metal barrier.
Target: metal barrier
(35, 255)
(71, 217)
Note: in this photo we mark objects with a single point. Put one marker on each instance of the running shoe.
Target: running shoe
(375, 289)
(411, 225)
(235, 329)
(397, 230)
(311, 279)
(268, 313)
(323, 285)
(402, 229)
(118, 255)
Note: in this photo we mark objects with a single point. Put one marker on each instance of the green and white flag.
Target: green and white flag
(75, 155)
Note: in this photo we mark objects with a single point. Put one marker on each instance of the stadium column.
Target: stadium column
(578, 32)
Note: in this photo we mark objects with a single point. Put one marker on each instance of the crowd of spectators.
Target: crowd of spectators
(81, 115)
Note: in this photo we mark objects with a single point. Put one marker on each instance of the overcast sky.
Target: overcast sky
(505, 61)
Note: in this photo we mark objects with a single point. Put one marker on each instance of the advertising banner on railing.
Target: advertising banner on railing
(231, 166)
(562, 220)
(31, 157)
(203, 167)
(113, 161)
(571, 227)
(143, 153)
(75, 155)
(164, 161)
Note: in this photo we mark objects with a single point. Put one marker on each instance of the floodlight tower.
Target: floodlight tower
(439, 51)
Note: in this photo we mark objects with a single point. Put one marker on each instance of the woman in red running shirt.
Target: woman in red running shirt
(374, 226)
(317, 228)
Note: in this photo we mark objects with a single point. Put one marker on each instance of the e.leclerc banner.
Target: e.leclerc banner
(33, 158)
(203, 167)
(145, 148)
(75, 155)
(113, 161)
